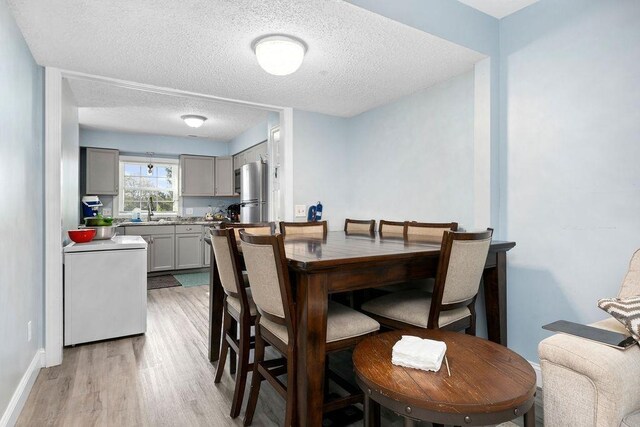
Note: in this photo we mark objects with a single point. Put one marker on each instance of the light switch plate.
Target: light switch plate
(106, 211)
(189, 211)
(301, 211)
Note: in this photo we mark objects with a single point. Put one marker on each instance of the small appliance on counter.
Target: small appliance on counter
(233, 212)
(90, 205)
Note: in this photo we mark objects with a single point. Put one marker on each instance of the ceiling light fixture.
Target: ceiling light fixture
(279, 55)
(193, 121)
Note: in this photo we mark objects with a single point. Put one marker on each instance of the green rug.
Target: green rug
(192, 279)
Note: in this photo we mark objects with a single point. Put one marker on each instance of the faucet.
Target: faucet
(150, 208)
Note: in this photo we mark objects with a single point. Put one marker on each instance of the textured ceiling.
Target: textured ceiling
(104, 106)
(356, 60)
(498, 8)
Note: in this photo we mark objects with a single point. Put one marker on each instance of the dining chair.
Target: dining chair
(413, 230)
(260, 228)
(276, 325)
(359, 226)
(390, 228)
(238, 308)
(452, 304)
(292, 228)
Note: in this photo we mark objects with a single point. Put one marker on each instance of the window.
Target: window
(137, 185)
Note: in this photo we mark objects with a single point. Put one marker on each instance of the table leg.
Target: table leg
(408, 422)
(530, 417)
(215, 311)
(312, 299)
(371, 412)
(495, 294)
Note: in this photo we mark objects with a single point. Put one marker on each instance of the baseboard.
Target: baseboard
(536, 368)
(19, 398)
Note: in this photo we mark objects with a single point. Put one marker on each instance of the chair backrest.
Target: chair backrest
(391, 227)
(258, 228)
(291, 228)
(227, 262)
(462, 260)
(631, 283)
(359, 225)
(427, 230)
(266, 264)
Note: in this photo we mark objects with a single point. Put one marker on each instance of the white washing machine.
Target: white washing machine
(105, 289)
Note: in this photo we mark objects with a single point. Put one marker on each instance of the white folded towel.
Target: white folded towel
(418, 353)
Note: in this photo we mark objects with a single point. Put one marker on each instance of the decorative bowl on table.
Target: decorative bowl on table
(82, 236)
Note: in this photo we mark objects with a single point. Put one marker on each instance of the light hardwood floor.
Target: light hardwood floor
(162, 378)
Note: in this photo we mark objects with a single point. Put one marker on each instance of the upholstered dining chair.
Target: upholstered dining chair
(276, 324)
(452, 304)
(238, 307)
(413, 230)
(317, 228)
(390, 228)
(359, 226)
(260, 228)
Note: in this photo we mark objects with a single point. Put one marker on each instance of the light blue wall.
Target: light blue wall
(571, 140)
(142, 143)
(21, 216)
(413, 159)
(320, 165)
(250, 137)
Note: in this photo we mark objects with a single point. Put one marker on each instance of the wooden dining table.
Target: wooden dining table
(343, 262)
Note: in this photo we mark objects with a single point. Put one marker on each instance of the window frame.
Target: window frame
(119, 199)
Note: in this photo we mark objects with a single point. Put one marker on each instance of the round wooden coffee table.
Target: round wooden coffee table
(489, 384)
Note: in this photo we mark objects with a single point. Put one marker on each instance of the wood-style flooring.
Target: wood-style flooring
(162, 378)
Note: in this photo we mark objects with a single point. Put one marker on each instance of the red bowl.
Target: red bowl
(82, 236)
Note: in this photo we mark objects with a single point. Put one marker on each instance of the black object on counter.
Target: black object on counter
(233, 212)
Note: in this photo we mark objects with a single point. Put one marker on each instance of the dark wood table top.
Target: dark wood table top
(309, 252)
(485, 377)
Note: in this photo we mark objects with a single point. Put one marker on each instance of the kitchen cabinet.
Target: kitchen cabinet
(206, 248)
(161, 245)
(224, 176)
(102, 171)
(197, 175)
(188, 246)
(250, 155)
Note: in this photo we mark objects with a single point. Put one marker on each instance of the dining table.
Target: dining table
(344, 262)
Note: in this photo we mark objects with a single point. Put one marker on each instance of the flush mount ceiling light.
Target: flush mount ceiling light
(279, 55)
(193, 121)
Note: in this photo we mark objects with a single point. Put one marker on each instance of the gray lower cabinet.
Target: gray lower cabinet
(189, 250)
(162, 252)
(161, 249)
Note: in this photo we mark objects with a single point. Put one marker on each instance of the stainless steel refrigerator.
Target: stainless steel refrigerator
(253, 192)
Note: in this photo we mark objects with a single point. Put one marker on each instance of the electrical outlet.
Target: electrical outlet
(189, 211)
(301, 211)
(106, 211)
(29, 331)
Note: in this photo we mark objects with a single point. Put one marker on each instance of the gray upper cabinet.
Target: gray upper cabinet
(198, 175)
(102, 171)
(224, 176)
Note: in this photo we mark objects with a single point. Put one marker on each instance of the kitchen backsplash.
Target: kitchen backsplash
(200, 205)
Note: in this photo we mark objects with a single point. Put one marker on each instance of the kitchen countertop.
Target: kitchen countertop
(171, 221)
(117, 242)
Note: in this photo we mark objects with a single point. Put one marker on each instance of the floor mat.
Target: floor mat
(192, 279)
(159, 282)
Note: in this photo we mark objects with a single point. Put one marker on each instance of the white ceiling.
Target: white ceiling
(108, 107)
(498, 8)
(356, 59)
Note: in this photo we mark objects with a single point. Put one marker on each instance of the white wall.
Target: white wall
(70, 162)
(21, 213)
(571, 148)
(320, 165)
(413, 159)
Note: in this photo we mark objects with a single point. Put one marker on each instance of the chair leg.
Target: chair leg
(233, 356)
(224, 347)
(530, 417)
(291, 416)
(256, 379)
(243, 366)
